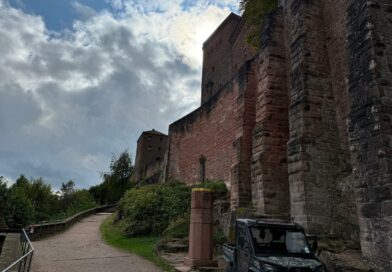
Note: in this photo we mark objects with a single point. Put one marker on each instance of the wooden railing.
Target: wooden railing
(40, 231)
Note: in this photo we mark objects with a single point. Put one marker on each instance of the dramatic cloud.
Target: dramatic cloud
(70, 99)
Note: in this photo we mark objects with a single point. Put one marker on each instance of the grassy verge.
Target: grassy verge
(142, 246)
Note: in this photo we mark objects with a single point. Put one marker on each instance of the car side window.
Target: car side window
(242, 240)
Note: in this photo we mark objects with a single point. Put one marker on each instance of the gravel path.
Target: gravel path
(81, 248)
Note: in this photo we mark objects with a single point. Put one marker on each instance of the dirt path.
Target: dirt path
(81, 249)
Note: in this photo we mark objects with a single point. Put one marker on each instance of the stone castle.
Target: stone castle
(302, 127)
(151, 148)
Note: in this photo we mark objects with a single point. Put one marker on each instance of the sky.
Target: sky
(81, 79)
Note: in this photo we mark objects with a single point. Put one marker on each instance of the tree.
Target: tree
(116, 181)
(3, 200)
(121, 168)
(42, 199)
(67, 188)
(19, 210)
(32, 201)
(29, 201)
(254, 12)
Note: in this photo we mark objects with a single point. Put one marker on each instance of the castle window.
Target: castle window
(149, 138)
(209, 86)
(159, 148)
(213, 68)
(149, 147)
(202, 162)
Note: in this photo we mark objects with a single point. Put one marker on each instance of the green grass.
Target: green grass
(142, 246)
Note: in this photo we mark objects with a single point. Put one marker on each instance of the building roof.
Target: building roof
(269, 222)
(152, 132)
(232, 16)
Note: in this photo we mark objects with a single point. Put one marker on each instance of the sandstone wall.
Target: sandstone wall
(270, 189)
(304, 128)
(218, 132)
(241, 50)
(313, 147)
(370, 130)
(217, 58)
(345, 219)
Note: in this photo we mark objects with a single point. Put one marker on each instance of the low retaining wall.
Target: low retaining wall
(40, 231)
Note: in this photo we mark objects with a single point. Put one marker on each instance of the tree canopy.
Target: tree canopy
(116, 181)
(33, 200)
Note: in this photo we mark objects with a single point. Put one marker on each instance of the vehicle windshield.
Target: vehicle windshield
(275, 240)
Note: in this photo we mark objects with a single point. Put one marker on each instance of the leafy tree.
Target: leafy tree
(67, 191)
(21, 182)
(68, 188)
(82, 200)
(3, 200)
(33, 201)
(19, 210)
(73, 200)
(254, 12)
(116, 181)
(42, 199)
(28, 201)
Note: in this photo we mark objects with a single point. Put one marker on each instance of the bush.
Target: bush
(161, 208)
(179, 227)
(218, 188)
(149, 209)
(219, 237)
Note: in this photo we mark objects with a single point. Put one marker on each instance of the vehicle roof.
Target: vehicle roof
(269, 222)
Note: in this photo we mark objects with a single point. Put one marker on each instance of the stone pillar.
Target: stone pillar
(270, 186)
(201, 228)
(240, 187)
(313, 147)
(370, 129)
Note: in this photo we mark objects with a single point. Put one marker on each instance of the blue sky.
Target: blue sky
(80, 80)
(58, 14)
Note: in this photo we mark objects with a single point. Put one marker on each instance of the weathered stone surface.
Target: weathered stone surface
(370, 43)
(270, 190)
(304, 128)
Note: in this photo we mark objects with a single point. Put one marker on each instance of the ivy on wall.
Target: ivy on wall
(254, 12)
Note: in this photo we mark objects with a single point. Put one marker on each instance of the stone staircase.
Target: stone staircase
(11, 250)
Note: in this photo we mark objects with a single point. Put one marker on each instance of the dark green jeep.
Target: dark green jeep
(271, 246)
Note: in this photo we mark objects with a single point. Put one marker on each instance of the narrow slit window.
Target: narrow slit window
(202, 162)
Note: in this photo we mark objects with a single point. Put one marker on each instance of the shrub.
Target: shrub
(219, 237)
(179, 227)
(149, 209)
(218, 188)
(158, 208)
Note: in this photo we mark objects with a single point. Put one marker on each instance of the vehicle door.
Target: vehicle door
(243, 251)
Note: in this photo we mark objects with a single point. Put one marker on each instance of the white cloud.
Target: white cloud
(83, 10)
(69, 100)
